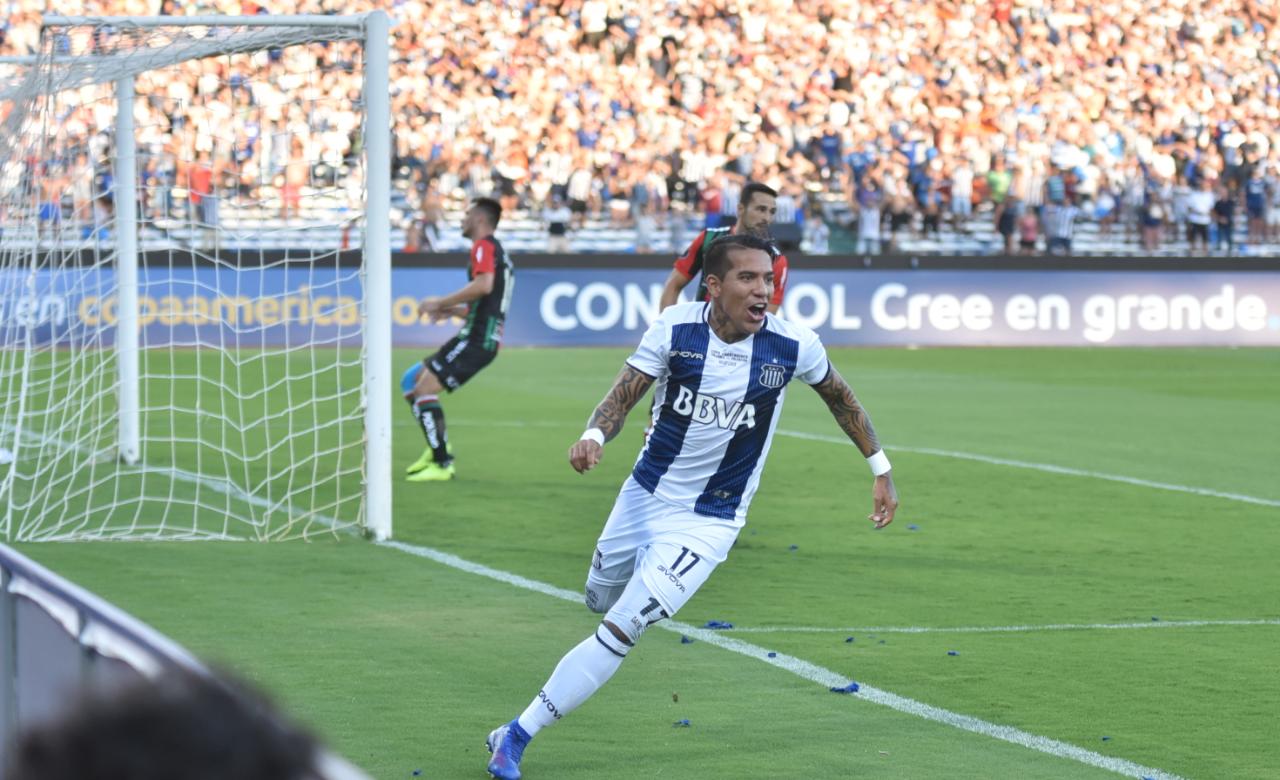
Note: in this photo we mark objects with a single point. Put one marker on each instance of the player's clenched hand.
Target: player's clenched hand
(584, 455)
(429, 308)
(884, 501)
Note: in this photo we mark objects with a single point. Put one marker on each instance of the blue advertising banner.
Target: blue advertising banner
(970, 308)
(295, 304)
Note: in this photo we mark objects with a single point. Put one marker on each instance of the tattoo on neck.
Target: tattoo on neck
(723, 326)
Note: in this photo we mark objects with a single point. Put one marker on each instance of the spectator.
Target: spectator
(868, 207)
(1152, 220)
(1181, 194)
(1199, 213)
(1060, 225)
(557, 217)
(1255, 202)
(817, 235)
(1273, 207)
(1007, 222)
(1028, 231)
(1224, 217)
(961, 194)
(897, 196)
(998, 182)
(932, 209)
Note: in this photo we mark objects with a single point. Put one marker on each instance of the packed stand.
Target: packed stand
(910, 124)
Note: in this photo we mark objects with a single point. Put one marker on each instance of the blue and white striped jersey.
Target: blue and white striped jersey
(716, 406)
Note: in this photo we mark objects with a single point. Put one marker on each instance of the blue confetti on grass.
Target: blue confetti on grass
(848, 639)
(880, 642)
(682, 723)
(1155, 619)
(718, 625)
(953, 652)
(684, 640)
(773, 655)
(913, 527)
(794, 547)
(852, 687)
(417, 772)
(1106, 739)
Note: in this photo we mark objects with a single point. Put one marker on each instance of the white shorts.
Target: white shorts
(671, 548)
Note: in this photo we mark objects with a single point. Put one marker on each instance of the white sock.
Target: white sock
(581, 672)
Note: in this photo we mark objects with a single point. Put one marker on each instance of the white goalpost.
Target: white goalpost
(195, 323)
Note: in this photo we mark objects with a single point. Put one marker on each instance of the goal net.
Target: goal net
(193, 263)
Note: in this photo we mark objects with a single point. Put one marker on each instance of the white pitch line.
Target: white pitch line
(999, 629)
(818, 674)
(1048, 468)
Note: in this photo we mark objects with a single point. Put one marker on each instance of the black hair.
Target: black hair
(717, 262)
(752, 188)
(491, 208)
(180, 726)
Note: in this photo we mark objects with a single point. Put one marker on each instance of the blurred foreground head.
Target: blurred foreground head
(180, 726)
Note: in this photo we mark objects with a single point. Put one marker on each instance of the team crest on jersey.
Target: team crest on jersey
(773, 376)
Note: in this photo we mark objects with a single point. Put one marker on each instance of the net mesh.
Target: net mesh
(250, 204)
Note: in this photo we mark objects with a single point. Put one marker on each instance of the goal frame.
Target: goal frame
(372, 29)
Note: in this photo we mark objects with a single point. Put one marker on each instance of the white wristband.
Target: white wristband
(879, 463)
(593, 434)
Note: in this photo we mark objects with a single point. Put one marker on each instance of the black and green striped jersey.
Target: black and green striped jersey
(485, 316)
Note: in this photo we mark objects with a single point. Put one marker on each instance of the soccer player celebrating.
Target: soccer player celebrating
(756, 210)
(483, 302)
(719, 370)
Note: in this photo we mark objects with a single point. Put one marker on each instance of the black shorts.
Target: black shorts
(457, 361)
(1195, 231)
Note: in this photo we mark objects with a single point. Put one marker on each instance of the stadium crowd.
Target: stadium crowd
(1157, 120)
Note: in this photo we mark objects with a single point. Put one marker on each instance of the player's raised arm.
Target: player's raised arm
(855, 422)
(676, 281)
(683, 270)
(607, 419)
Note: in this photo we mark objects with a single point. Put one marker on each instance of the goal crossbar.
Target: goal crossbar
(279, 31)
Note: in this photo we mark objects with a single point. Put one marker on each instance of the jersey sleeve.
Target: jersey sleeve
(780, 267)
(812, 365)
(483, 255)
(651, 356)
(690, 263)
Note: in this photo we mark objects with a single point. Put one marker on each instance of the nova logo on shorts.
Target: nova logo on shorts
(712, 410)
(675, 579)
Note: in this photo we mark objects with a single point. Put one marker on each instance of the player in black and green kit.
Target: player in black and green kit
(483, 302)
(756, 209)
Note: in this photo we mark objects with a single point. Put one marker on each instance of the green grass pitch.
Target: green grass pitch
(404, 664)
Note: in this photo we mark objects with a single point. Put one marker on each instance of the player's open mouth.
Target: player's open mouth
(757, 312)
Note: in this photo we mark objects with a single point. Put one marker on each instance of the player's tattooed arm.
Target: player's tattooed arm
(844, 406)
(627, 390)
(856, 423)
